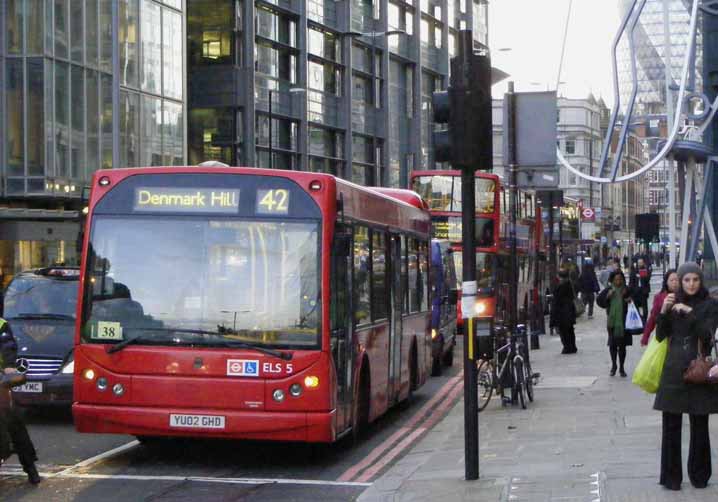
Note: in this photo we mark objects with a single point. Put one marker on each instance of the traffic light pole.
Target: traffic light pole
(513, 200)
(471, 397)
(469, 289)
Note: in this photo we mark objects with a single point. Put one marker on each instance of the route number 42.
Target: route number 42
(273, 201)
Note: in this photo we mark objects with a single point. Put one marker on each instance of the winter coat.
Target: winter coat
(8, 347)
(605, 303)
(683, 333)
(653, 317)
(563, 310)
(641, 285)
(587, 282)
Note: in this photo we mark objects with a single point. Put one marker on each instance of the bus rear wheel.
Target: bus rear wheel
(436, 362)
(449, 358)
(361, 417)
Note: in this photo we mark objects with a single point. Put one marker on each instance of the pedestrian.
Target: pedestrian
(615, 300)
(669, 288)
(640, 283)
(10, 420)
(588, 284)
(687, 320)
(563, 312)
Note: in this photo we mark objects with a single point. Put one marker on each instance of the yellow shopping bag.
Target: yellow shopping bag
(647, 374)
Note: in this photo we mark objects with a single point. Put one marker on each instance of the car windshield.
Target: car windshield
(189, 280)
(33, 295)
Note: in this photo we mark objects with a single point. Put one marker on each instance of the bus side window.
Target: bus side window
(413, 265)
(424, 278)
(379, 299)
(405, 274)
(362, 264)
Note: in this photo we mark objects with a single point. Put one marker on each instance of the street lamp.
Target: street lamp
(271, 149)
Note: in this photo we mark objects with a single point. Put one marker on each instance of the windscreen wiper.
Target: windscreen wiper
(124, 343)
(28, 315)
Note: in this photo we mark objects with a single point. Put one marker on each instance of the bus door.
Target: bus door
(398, 245)
(341, 322)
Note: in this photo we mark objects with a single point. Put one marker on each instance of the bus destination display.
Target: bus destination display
(196, 200)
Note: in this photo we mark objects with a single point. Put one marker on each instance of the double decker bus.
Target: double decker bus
(248, 303)
(442, 191)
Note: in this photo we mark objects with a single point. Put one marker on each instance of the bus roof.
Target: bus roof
(452, 172)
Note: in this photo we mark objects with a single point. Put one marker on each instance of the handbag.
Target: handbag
(699, 368)
(649, 369)
(579, 306)
(634, 323)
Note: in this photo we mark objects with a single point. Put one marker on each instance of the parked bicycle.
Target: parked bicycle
(507, 366)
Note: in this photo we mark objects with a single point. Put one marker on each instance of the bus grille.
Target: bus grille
(39, 366)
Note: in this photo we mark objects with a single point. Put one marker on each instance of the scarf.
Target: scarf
(615, 313)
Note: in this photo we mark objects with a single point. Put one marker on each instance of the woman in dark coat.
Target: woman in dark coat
(563, 313)
(615, 300)
(689, 320)
(588, 285)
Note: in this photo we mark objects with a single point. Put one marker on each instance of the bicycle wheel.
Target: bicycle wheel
(528, 378)
(520, 382)
(485, 377)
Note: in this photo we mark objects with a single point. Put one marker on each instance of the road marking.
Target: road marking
(432, 420)
(98, 458)
(199, 479)
(387, 443)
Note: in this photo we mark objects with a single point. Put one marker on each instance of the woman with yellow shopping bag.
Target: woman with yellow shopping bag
(688, 324)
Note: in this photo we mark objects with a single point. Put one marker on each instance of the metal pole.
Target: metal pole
(513, 199)
(669, 121)
(468, 218)
(271, 153)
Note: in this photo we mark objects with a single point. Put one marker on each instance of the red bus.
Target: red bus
(442, 191)
(248, 303)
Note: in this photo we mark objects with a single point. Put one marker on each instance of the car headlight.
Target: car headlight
(69, 368)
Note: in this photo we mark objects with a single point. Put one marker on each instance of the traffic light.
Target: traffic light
(466, 109)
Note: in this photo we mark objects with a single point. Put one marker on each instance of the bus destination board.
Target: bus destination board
(192, 200)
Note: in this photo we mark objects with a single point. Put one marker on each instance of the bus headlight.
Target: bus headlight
(89, 374)
(118, 389)
(69, 368)
(311, 382)
(101, 384)
(433, 334)
(295, 390)
(480, 308)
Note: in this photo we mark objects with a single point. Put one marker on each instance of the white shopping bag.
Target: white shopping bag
(633, 319)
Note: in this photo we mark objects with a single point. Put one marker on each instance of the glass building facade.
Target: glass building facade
(650, 110)
(84, 85)
(341, 87)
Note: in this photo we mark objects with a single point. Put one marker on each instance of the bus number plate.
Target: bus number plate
(197, 421)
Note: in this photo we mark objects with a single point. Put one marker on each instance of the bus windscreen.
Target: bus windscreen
(443, 193)
(203, 281)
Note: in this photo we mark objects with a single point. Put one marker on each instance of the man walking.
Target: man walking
(640, 281)
(10, 420)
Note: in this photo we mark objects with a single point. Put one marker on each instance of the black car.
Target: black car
(40, 307)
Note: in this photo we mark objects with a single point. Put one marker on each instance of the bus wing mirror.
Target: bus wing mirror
(453, 296)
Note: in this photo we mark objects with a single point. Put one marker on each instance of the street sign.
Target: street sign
(535, 130)
(588, 214)
(533, 179)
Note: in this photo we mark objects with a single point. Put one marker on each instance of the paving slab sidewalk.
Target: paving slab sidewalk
(587, 437)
